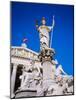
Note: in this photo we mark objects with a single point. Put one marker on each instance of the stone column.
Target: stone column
(48, 77)
(46, 70)
(13, 78)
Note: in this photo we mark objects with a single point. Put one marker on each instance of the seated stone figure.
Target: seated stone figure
(26, 77)
(30, 77)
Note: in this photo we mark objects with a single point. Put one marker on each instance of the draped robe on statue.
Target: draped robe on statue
(44, 36)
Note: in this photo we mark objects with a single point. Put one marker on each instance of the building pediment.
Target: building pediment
(22, 52)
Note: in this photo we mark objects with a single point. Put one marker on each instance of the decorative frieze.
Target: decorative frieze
(21, 52)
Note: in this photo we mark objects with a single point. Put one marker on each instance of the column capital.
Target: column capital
(15, 65)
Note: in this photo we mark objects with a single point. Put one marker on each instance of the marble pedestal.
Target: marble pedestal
(46, 57)
(29, 92)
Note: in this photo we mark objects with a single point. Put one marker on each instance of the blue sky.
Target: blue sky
(23, 16)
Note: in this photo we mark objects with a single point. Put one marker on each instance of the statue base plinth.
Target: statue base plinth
(29, 92)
